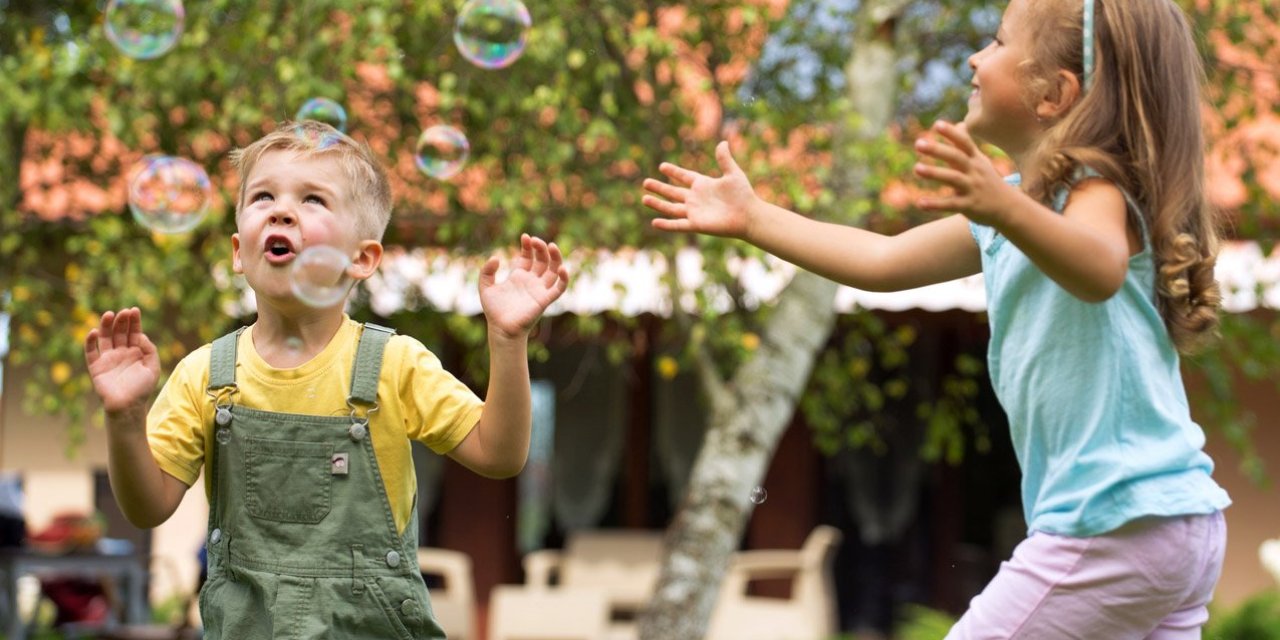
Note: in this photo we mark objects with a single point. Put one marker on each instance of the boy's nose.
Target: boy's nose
(282, 216)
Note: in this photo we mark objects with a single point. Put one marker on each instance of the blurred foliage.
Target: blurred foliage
(1257, 618)
(560, 141)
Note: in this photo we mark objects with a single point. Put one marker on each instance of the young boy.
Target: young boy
(303, 420)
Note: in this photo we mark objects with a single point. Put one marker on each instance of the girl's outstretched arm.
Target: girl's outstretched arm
(728, 206)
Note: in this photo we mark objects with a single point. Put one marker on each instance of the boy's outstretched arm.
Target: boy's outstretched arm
(499, 444)
(124, 367)
(728, 206)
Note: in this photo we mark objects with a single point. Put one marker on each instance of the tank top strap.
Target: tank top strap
(1134, 211)
(368, 363)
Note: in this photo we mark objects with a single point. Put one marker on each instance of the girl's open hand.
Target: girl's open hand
(122, 361)
(979, 191)
(698, 203)
(538, 277)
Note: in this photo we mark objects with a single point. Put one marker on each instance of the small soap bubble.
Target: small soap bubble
(759, 495)
(324, 110)
(442, 151)
(144, 29)
(492, 33)
(223, 435)
(169, 194)
(318, 276)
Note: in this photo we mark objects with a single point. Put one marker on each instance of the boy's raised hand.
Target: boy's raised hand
(979, 191)
(122, 361)
(694, 202)
(538, 277)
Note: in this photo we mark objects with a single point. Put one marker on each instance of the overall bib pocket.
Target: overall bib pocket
(288, 481)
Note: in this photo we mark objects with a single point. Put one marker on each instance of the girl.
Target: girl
(1098, 262)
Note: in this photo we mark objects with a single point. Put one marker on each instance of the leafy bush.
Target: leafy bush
(1258, 618)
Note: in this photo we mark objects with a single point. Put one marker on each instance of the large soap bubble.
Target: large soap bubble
(144, 29)
(492, 33)
(170, 194)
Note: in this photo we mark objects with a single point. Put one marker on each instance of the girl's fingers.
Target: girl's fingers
(725, 158)
(672, 209)
(670, 192)
(939, 204)
(942, 151)
(678, 173)
(541, 258)
(957, 135)
(671, 224)
(120, 329)
(106, 326)
(947, 176)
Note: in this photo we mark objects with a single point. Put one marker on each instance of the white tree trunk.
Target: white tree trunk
(750, 412)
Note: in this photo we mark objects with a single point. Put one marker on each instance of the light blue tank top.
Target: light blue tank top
(1094, 396)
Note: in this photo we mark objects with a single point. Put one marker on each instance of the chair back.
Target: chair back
(520, 613)
(454, 603)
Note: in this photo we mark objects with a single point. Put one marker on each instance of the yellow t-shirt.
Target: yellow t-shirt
(417, 400)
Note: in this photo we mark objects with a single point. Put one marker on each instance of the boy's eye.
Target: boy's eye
(314, 198)
(262, 195)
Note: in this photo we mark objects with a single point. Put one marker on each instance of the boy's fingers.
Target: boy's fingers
(670, 192)
(540, 257)
(120, 329)
(488, 271)
(105, 327)
(679, 174)
(91, 352)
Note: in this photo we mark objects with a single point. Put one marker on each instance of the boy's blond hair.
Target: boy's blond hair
(369, 189)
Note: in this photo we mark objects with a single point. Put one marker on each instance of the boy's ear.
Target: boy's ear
(235, 254)
(366, 260)
(1063, 93)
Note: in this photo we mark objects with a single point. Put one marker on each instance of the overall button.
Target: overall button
(407, 608)
(223, 435)
(393, 559)
(222, 416)
(358, 431)
(215, 536)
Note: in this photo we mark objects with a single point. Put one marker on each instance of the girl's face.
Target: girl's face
(999, 112)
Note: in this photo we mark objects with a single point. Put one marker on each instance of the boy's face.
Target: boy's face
(293, 201)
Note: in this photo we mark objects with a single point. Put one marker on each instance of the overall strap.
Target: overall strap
(368, 364)
(222, 361)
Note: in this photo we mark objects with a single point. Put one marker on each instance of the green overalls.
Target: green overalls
(302, 542)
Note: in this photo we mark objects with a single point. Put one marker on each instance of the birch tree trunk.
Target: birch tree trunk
(750, 411)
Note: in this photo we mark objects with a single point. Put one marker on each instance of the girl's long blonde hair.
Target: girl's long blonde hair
(1139, 125)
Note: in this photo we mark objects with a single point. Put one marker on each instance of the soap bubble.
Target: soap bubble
(144, 29)
(758, 495)
(442, 151)
(169, 194)
(318, 276)
(324, 110)
(492, 33)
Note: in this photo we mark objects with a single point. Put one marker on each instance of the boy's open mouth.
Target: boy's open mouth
(278, 249)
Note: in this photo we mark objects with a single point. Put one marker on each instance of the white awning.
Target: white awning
(631, 282)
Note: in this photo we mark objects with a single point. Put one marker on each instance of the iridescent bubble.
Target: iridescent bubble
(169, 194)
(318, 276)
(324, 110)
(758, 495)
(492, 33)
(442, 151)
(144, 29)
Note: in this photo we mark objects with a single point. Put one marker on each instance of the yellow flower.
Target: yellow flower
(72, 272)
(668, 367)
(858, 367)
(21, 294)
(60, 372)
(750, 341)
(44, 318)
